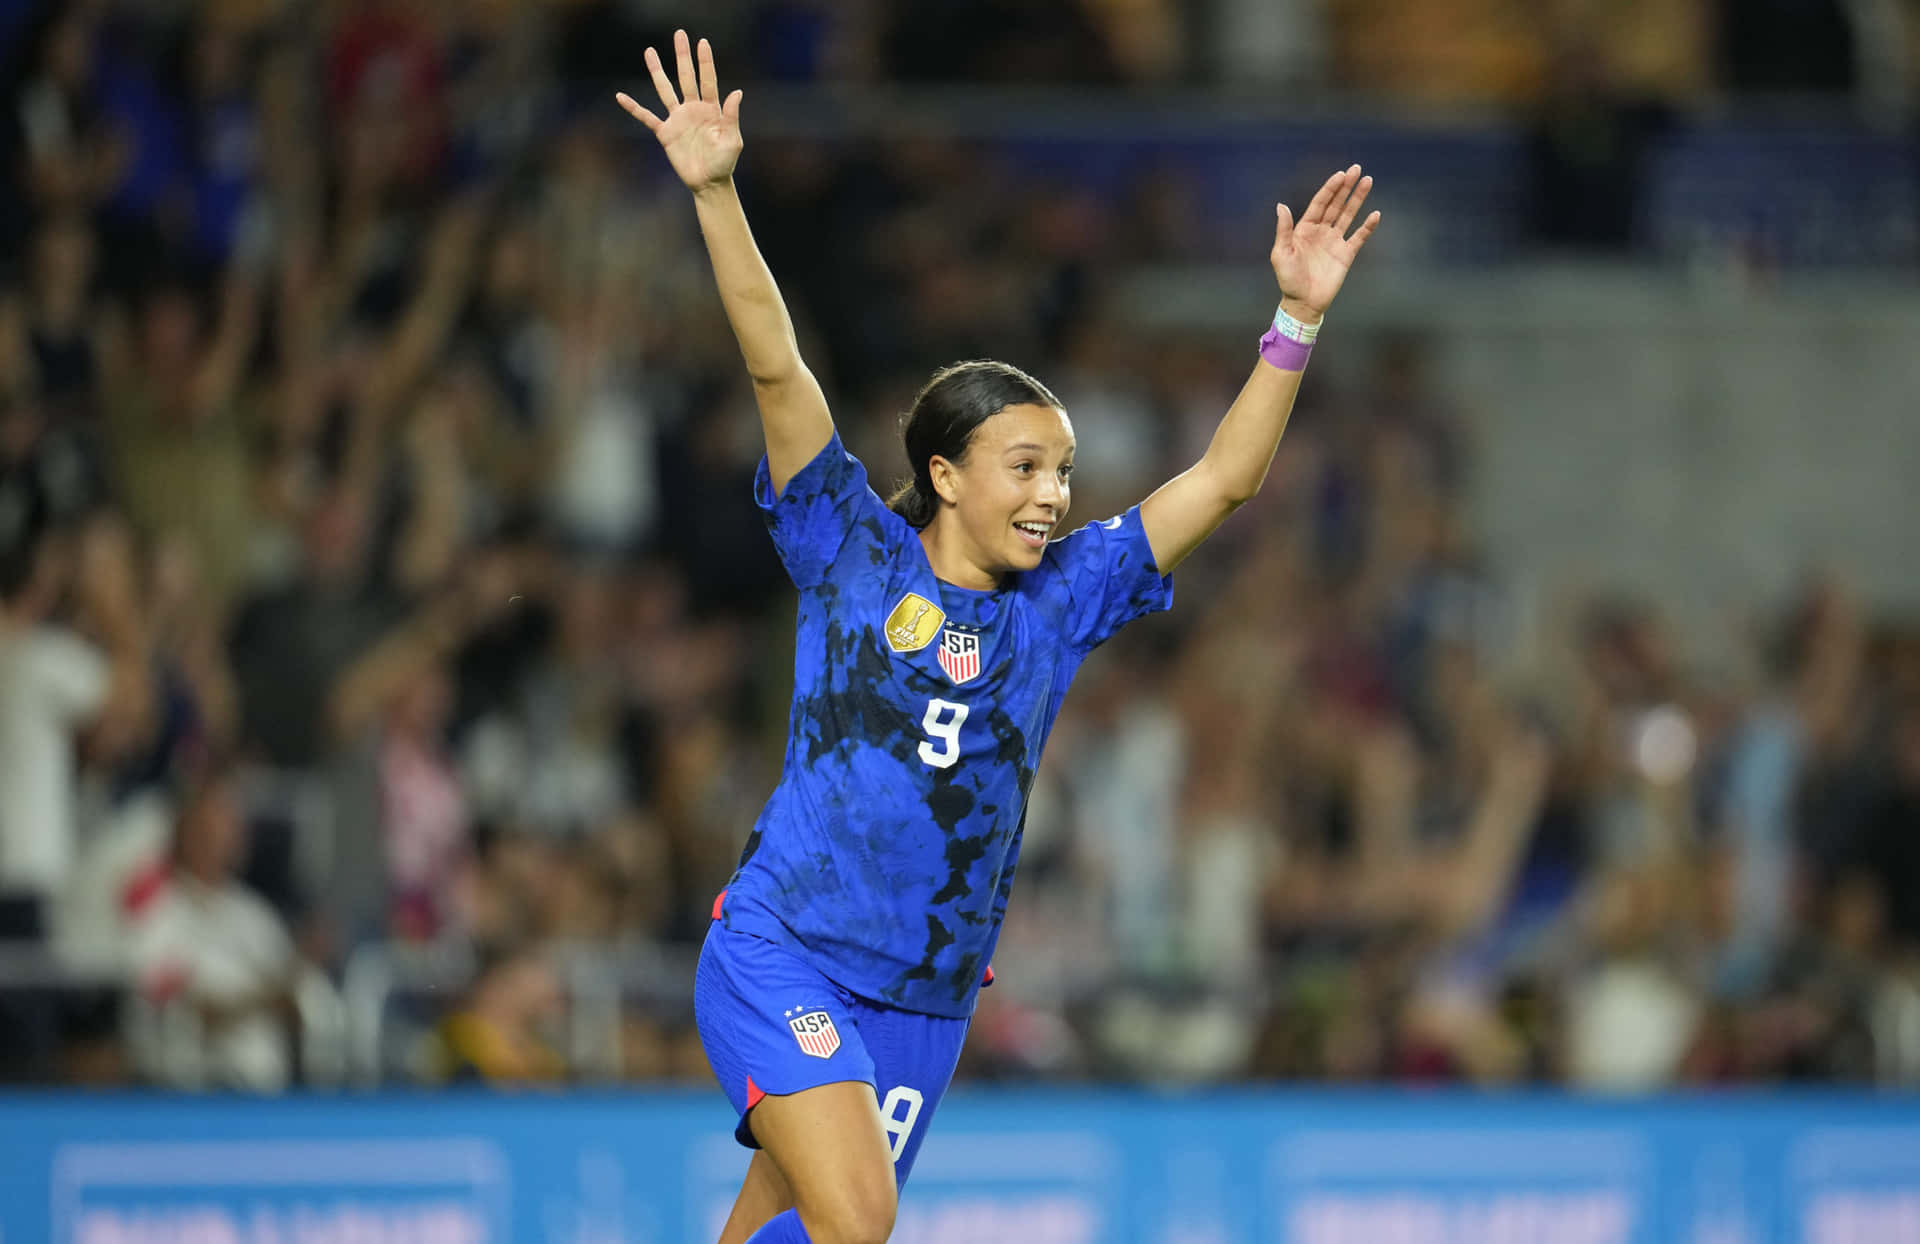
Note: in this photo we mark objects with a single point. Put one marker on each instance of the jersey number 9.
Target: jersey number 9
(942, 724)
(900, 1127)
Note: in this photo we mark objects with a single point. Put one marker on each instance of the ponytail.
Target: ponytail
(915, 501)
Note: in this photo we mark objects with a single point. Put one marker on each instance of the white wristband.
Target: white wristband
(1294, 330)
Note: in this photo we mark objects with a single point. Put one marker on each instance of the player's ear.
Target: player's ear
(946, 479)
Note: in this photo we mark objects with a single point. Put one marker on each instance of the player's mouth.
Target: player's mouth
(1034, 535)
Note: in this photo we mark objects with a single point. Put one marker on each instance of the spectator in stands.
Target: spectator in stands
(1506, 885)
(207, 943)
(50, 472)
(507, 1032)
(386, 83)
(1882, 864)
(291, 645)
(1632, 1015)
(424, 823)
(222, 128)
(552, 761)
(65, 324)
(69, 678)
(181, 435)
(406, 851)
(74, 156)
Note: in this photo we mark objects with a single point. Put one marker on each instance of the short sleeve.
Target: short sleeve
(826, 515)
(1104, 577)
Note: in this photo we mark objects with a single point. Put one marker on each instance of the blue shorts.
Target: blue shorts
(771, 1024)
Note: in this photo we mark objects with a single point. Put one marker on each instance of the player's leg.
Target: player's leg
(832, 1151)
(763, 1194)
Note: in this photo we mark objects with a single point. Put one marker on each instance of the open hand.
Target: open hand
(1311, 258)
(701, 135)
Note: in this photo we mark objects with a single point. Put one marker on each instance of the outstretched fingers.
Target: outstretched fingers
(1354, 200)
(638, 113)
(1359, 239)
(1318, 210)
(1349, 177)
(683, 53)
(709, 78)
(660, 83)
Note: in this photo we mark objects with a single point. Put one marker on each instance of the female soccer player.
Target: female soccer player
(937, 636)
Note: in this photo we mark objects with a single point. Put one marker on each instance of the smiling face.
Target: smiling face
(1005, 498)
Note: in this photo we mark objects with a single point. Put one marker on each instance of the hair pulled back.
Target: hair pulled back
(942, 420)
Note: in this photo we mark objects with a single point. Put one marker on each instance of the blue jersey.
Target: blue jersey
(886, 854)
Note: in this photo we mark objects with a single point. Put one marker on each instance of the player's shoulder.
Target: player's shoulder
(886, 528)
(1048, 588)
(1098, 531)
(1072, 551)
(873, 583)
(883, 552)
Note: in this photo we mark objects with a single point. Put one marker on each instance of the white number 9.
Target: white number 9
(942, 723)
(899, 1128)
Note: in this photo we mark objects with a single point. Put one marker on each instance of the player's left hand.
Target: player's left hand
(1311, 257)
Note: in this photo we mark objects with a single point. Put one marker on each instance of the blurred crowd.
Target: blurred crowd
(381, 599)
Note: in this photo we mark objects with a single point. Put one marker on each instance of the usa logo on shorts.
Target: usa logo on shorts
(815, 1032)
(959, 654)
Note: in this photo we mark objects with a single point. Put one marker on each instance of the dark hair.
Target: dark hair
(942, 420)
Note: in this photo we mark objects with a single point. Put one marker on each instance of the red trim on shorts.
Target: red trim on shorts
(988, 978)
(721, 898)
(753, 1093)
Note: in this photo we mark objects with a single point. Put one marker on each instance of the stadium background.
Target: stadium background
(1550, 722)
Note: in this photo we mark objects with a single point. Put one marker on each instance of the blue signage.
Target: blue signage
(1047, 1167)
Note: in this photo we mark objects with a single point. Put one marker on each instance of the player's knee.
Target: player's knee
(861, 1212)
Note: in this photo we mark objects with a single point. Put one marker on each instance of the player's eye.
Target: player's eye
(1066, 469)
(1024, 468)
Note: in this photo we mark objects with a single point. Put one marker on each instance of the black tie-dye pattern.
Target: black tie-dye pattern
(891, 873)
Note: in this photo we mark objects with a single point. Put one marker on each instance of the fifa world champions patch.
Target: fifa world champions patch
(960, 654)
(814, 1032)
(913, 623)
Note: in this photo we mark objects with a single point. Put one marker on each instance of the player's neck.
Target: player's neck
(953, 562)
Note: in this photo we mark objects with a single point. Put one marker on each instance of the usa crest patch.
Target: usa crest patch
(959, 654)
(815, 1033)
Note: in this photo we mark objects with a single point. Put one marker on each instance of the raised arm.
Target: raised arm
(701, 137)
(1310, 259)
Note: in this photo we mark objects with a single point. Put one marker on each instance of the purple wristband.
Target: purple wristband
(1284, 352)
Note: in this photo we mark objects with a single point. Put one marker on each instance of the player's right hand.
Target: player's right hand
(700, 135)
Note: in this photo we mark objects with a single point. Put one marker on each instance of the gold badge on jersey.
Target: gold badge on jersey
(913, 623)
